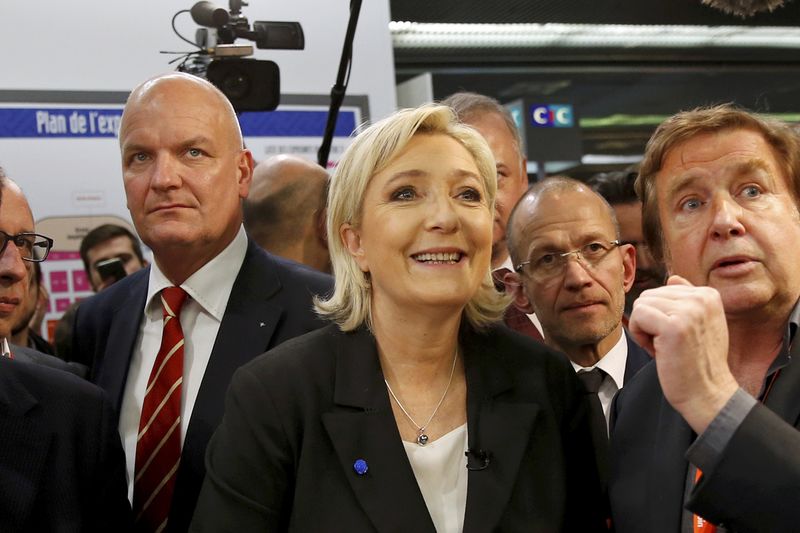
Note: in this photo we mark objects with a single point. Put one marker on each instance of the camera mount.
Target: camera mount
(250, 84)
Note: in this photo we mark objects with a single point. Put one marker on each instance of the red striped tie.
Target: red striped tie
(158, 447)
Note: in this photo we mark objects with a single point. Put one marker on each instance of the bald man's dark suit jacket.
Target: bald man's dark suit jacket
(637, 359)
(298, 418)
(61, 462)
(271, 301)
(755, 486)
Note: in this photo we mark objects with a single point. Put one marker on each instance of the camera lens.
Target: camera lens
(236, 84)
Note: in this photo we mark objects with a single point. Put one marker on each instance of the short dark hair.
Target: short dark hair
(104, 233)
(616, 187)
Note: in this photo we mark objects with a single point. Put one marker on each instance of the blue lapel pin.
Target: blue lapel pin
(360, 466)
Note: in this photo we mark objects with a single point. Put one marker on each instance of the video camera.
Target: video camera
(250, 84)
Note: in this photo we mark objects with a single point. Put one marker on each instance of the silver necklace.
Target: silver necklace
(422, 437)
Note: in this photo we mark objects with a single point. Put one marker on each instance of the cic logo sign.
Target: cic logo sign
(551, 116)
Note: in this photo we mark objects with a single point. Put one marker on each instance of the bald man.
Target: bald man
(285, 210)
(572, 270)
(185, 173)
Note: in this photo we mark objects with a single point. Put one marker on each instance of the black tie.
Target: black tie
(591, 380)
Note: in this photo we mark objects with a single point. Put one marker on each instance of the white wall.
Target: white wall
(115, 44)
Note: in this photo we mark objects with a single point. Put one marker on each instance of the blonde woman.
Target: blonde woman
(410, 412)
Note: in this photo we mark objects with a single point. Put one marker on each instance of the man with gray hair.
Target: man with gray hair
(495, 123)
(285, 210)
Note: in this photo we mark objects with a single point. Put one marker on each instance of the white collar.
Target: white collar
(613, 362)
(506, 264)
(211, 285)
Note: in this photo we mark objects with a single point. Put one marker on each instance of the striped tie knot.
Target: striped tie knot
(172, 299)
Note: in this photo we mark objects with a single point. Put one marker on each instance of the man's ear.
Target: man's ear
(516, 289)
(244, 169)
(321, 227)
(351, 239)
(628, 265)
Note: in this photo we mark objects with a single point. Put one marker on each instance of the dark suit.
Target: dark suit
(297, 418)
(270, 302)
(755, 487)
(61, 462)
(637, 358)
(29, 355)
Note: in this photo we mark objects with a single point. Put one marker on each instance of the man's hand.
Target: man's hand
(684, 328)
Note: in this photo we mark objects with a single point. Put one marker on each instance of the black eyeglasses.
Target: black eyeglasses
(32, 246)
(545, 266)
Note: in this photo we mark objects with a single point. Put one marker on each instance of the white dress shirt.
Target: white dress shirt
(613, 364)
(209, 290)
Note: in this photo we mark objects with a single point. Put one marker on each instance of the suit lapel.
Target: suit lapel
(246, 329)
(366, 429)
(125, 323)
(502, 429)
(23, 455)
(667, 481)
(783, 398)
(245, 332)
(637, 358)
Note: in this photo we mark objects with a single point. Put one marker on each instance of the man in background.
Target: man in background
(110, 241)
(165, 341)
(495, 123)
(103, 243)
(285, 210)
(618, 190)
(572, 271)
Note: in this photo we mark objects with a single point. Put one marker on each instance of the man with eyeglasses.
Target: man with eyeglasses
(61, 466)
(617, 188)
(17, 273)
(571, 270)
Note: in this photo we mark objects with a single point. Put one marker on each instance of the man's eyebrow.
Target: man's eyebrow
(199, 140)
(195, 141)
(133, 147)
(687, 180)
(749, 166)
(681, 183)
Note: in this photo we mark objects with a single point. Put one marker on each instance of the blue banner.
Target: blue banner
(294, 123)
(52, 122)
(59, 122)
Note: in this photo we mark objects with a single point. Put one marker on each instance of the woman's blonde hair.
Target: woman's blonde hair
(371, 151)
